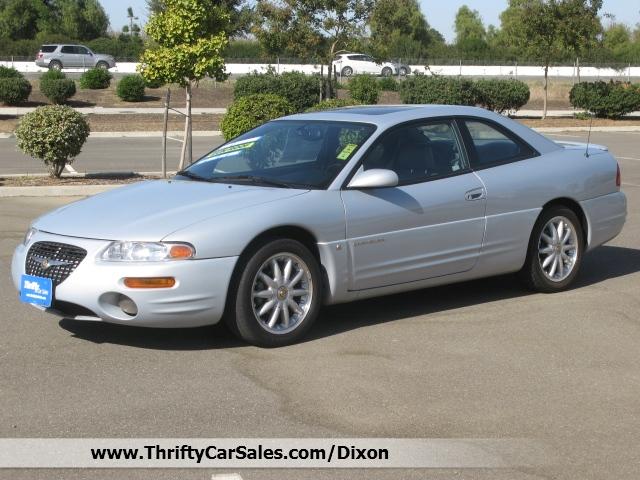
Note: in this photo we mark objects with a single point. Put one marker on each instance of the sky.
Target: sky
(440, 13)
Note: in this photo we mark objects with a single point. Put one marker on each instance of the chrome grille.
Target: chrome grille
(53, 260)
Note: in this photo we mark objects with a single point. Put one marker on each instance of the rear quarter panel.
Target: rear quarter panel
(517, 192)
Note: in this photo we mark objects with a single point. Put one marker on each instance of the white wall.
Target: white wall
(467, 70)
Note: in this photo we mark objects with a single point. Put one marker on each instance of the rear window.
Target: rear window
(48, 48)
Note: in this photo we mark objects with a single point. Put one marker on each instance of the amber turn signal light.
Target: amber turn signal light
(180, 251)
(149, 282)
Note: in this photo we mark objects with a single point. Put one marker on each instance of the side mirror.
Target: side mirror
(374, 178)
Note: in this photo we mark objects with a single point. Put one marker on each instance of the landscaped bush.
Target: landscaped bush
(439, 90)
(251, 111)
(156, 83)
(302, 91)
(332, 103)
(388, 84)
(56, 86)
(95, 79)
(54, 134)
(131, 88)
(14, 88)
(9, 72)
(606, 99)
(364, 89)
(501, 95)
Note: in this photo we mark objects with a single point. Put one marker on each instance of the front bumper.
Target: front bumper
(197, 298)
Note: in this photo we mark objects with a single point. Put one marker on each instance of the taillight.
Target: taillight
(618, 176)
(39, 54)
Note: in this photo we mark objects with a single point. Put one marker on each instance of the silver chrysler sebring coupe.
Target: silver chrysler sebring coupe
(324, 208)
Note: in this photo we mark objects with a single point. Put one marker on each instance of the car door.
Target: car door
(431, 224)
(370, 65)
(85, 57)
(69, 57)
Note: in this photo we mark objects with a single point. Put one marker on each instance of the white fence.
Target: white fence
(465, 70)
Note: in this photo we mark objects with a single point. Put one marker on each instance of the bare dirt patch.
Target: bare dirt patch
(44, 181)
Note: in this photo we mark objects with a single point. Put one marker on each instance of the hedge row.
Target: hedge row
(606, 99)
(300, 90)
(494, 94)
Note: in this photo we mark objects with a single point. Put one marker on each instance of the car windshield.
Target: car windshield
(283, 153)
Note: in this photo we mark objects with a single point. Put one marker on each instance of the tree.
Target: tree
(471, 36)
(399, 30)
(581, 26)
(81, 19)
(240, 13)
(133, 27)
(22, 19)
(190, 37)
(315, 27)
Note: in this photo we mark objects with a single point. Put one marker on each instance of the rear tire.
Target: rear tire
(277, 295)
(387, 72)
(347, 71)
(403, 72)
(555, 251)
(55, 65)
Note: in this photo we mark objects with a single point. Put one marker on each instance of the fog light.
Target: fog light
(149, 282)
(128, 306)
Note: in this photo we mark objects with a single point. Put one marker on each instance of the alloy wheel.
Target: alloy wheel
(558, 248)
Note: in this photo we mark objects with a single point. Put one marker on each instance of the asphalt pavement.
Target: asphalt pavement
(483, 359)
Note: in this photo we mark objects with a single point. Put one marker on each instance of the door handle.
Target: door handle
(475, 194)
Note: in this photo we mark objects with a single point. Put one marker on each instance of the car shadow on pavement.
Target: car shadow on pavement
(604, 263)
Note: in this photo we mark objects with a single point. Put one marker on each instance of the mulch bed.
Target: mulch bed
(43, 181)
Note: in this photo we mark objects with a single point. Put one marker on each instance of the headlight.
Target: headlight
(28, 236)
(147, 252)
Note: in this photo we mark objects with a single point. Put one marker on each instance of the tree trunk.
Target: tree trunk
(56, 168)
(186, 148)
(546, 85)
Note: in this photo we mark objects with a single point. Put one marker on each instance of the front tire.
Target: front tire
(102, 65)
(278, 294)
(555, 251)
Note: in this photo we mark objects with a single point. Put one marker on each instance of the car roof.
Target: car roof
(385, 116)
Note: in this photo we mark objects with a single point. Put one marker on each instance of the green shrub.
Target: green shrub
(57, 87)
(9, 72)
(95, 79)
(14, 90)
(131, 88)
(332, 103)
(300, 90)
(54, 134)
(156, 83)
(364, 89)
(388, 84)
(501, 95)
(439, 90)
(251, 111)
(606, 99)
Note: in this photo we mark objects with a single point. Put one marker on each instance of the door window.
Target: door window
(418, 152)
(68, 49)
(494, 147)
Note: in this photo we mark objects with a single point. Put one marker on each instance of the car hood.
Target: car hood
(149, 211)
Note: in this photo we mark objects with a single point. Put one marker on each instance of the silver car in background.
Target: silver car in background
(59, 56)
(323, 208)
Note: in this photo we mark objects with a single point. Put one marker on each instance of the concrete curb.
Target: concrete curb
(56, 191)
(612, 129)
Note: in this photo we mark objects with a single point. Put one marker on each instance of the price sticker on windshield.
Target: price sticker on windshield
(347, 151)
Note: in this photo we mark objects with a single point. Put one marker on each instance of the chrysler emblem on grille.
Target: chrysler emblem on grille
(47, 263)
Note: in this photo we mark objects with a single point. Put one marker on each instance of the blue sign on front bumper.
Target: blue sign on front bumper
(36, 290)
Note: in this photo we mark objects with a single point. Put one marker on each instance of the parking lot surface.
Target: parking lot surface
(483, 359)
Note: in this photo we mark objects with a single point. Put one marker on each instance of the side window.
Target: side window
(82, 51)
(68, 49)
(48, 48)
(494, 147)
(418, 152)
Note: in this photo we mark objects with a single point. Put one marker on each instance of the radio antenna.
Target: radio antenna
(586, 153)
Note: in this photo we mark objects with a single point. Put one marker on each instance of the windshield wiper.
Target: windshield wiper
(252, 179)
(193, 176)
